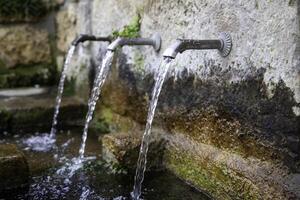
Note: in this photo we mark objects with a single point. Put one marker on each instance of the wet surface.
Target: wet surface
(57, 175)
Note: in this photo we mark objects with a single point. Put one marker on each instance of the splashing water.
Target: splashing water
(40, 142)
(100, 79)
(61, 90)
(142, 160)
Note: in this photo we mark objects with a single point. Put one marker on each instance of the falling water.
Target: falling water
(142, 160)
(45, 142)
(61, 90)
(100, 79)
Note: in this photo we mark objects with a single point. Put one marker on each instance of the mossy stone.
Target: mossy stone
(132, 30)
(122, 149)
(14, 170)
(216, 180)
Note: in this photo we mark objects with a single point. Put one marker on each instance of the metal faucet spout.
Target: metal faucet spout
(83, 37)
(154, 41)
(223, 44)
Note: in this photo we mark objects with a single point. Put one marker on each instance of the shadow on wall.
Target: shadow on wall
(238, 117)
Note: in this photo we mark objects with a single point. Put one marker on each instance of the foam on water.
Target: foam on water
(40, 142)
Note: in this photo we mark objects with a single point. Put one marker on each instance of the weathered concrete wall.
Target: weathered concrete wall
(245, 106)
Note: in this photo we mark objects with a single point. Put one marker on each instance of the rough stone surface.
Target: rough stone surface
(23, 45)
(123, 149)
(238, 119)
(74, 19)
(227, 175)
(258, 42)
(232, 123)
(66, 26)
(14, 171)
(245, 106)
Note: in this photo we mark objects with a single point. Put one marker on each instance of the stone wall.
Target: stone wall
(219, 115)
(34, 38)
(27, 32)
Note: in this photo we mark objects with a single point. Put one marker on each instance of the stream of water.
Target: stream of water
(45, 142)
(98, 83)
(142, 160)
(60, 90)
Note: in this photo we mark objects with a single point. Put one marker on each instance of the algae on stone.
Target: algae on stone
(132, 30)
(215, 180)
(122, 149)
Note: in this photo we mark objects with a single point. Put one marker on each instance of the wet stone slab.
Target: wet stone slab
(123, 149)
(34, 113)
(14, 170)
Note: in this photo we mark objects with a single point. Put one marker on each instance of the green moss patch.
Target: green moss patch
(219, 181)
(132, 30)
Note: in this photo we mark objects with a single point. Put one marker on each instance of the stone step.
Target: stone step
(26, 76)
(35, 113)
(122, 149)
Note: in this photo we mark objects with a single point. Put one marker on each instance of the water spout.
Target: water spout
(83, 37)
(223, 44)
(154, 41)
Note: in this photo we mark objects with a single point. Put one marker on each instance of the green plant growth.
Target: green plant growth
(130, 31)
(102, 123)
(22, 8)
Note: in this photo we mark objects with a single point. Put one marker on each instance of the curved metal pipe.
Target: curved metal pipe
(154, 41)
(224, 45)
(84, 37)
